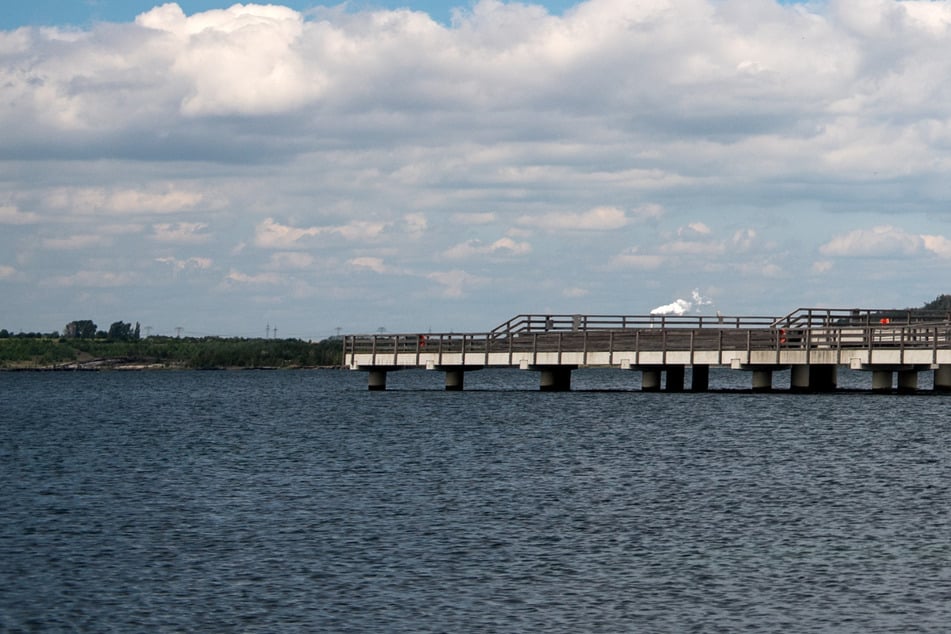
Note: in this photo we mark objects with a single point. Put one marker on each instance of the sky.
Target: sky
(321, 169)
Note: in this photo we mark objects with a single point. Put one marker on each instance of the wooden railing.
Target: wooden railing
(531, 323)
(815, 330)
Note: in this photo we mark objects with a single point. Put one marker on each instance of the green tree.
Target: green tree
(120, 331)
(81, 329)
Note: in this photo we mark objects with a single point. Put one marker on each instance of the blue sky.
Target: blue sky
(222, 168)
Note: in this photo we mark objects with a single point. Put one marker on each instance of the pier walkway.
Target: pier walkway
(811, 343)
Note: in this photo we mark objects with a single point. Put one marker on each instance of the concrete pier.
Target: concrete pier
(700, 378)
(555, 379)
(813, 378)
(908, 381)
(455, 379)
(376, 382)
(651, 379)
(675, 378)
(762, 380)
(882, 380)
(813, 343)
(942, 378)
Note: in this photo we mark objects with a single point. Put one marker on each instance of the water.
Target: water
(299, 501)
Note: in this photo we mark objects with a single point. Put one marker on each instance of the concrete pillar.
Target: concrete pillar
(799, 378)
(675, 378)
(555, 379)
(823, 378)
(455, 378)
(762, 380)
(700, 378)
(813, 378)
(942, 379)
(650, 381)
(907, 381)
(376, 381)
(881, 380)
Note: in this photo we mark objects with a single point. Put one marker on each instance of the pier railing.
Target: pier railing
(810, 330)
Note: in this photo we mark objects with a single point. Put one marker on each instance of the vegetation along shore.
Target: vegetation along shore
(82, 346)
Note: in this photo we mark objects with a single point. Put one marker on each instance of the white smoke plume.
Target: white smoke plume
(683, 306)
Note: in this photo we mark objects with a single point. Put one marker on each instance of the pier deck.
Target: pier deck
(811, 343)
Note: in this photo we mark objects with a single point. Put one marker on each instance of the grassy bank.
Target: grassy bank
(166, 352)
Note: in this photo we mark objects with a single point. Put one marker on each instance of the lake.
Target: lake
(300, 501)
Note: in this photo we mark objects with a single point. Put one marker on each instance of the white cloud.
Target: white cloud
(291, 260)
(575, 292)
(714, 144)
(597, 219)
(456, 283)
(472, 248)
(7, 272)
(633, 259)
(10, 215)
(181, 232)
(272, 234)
(199, 263)
(261, 279)
(244, 59)
(117, 201)
(475, 218)
(374, 264)
(881, 241)
(939, 245)
(82, 241)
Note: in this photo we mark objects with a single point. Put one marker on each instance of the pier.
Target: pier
(814, 344)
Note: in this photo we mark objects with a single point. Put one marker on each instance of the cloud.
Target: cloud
(575, 292)
(273, 235)
(668, 144)
(181, 232)
(881, 241)
(117, 201)
(10, 215)
(240, 60)
(939, 245)
(7, 272)
(472, 248)
(83, 241)
(597, 219)
(374, 264)
(199, 263)
(261, 279)
(291, 260)
(633, 259)
(475, 218)
(456, 283)
(93, 279)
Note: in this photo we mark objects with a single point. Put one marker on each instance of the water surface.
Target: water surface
(299, 501)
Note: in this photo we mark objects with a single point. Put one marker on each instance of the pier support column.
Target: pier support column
(700, 378)
(762, 380)
(823, 378)
(881, 380)
(675, 378)
(455, 378)
(555, 379)
(813, 378)
(376, 381)
(650, 379)
(942, 379)
(799, 378)
(907, 381)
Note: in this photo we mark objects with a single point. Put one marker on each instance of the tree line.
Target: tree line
(82, 342)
